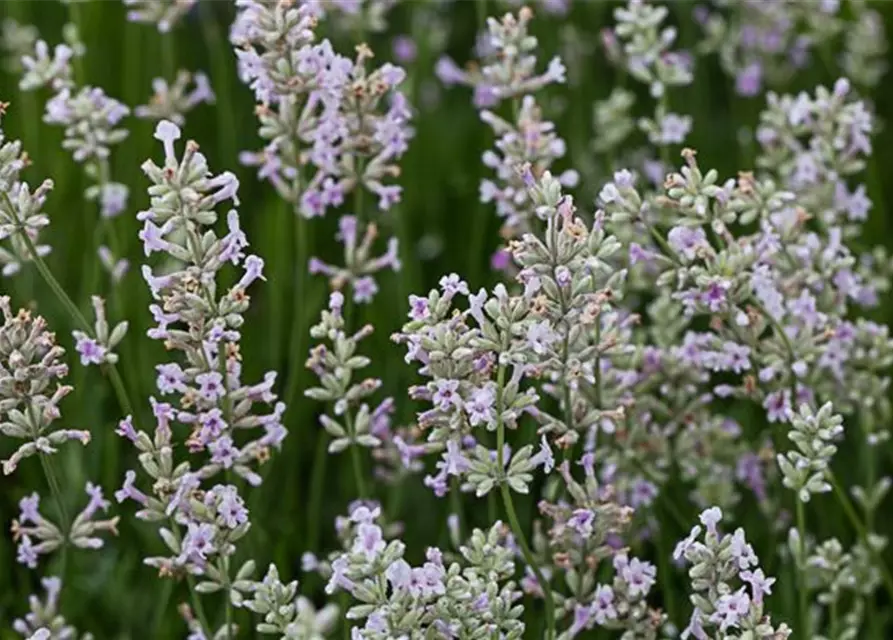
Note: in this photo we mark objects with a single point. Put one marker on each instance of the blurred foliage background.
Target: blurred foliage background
(111, 593)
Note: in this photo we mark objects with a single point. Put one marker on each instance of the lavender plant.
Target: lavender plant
(666, 335)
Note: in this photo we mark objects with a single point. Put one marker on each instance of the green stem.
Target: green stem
(217, 50)
(597, 368)
(869, 457)
(802, 591)
(47, 465)
(481, 212)
(456, 505)
(783, 336)
(161, 607)
(834, 618)
(345, 604)
(300, 316)
(190, 583)
(664, 575)
(355, 459)
(509, 505)
(481, 13)
(57, 493)
(317, 486)
(229, 603)
(853, 517)
(74, 14)
(169, 56)
(72, 308)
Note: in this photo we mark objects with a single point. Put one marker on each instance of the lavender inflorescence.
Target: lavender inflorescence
(692, 343)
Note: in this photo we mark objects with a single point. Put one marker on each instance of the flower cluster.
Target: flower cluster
(44, 622)
(99, 349)
(37, 535)
(766, 43)
(844, 581)
(335, 367)
(17, 40)
(165, 14)
(814, 146)
(351, 16)
(814, 433)
(42, 67)
(460, 352)
(285, 612)
(195, 319)
(472, 594)
(508, 65)
(90, 119)
(865, 52)
(321, 109)
(529, 141)
(728, 585)
(172, 101)
(359, 266)
(776, 278)
(643, 47)
(214, 520)
(21, 215)
(585, 531)
(30, 367)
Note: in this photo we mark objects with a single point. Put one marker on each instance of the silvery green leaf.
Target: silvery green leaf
(118, 334)
(319, 394)
(517, 483)
(169, 539)
(246, 570)
(207, 587)
(332, 427)
(369, 441)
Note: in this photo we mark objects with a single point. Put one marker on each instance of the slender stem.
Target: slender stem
(868, 455)
(355, 459)
(197, 607)
(57, 493)
(597, 365)
(77, 316)
(345, 604)
(860, 529)
(161, 607)
(299, 315)
(229, 602)
(779, 330)
(481, 212)
(56, 490)
(481, 12)
(169, 56)
(317, 486)
(802, 590)
(220, 67)
(456, 505)
(663, 575)
(50, 279)
(357, 463)
(835, 621)
(509, 505)
(120, 391)
(565, 356)
(528, 557)
(74, 14)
